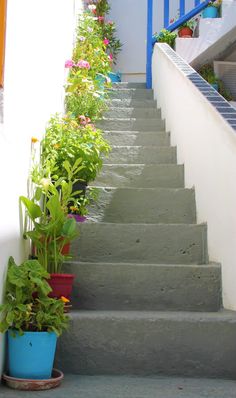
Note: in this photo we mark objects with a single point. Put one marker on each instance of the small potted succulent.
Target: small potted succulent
(212, 9)
(33, 321)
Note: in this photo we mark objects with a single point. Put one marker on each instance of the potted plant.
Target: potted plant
(165, 36)
(71, 138)
(32, 319)
(212, 9)
(186, 30)
(49, 229)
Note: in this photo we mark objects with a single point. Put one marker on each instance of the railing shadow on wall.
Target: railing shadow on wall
(183, 17)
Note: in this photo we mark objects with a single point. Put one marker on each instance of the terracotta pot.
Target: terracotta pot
(185, 32)
(61, 285)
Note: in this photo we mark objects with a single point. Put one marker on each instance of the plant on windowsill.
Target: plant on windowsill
(212, 9)
(32, 319)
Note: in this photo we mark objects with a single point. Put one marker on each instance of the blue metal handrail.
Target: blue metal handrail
(183, 19)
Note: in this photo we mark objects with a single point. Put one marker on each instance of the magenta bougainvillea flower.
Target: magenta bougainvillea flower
(101, 19)
(106, 41)
(110, 56)
(83, 64)
(69, 63)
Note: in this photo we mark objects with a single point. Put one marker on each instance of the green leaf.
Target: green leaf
(33, 209)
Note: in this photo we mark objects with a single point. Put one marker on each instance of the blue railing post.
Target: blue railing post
(197, 2)
(166, 13)
(182, 8)
(149, 43)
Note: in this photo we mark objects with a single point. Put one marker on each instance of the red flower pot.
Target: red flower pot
(61, 285)
(66, 249)
(185, 32)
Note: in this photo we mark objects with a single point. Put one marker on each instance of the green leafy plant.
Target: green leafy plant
(47, 226)
(207, 72)
(165, 36)
(66, 140)
(216, 3)
(26, 306)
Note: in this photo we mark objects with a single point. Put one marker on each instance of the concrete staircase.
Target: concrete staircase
(146, 300)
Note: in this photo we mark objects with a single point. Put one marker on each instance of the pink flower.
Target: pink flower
(83, 64)
(101, 19)
(172, 20)
(106, 41)
(82, 120)
(69, 63)
(110, 56)
(110, 23)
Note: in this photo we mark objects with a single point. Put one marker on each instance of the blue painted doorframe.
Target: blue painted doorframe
(199, 6)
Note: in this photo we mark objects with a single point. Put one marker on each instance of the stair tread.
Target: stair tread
(222, 315)
(107, 386)
(210, 265)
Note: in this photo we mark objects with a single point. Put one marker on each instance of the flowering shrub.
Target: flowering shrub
(69, 139)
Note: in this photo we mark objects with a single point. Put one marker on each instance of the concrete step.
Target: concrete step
(132, 103)
(141, 243)
(127, 93)
(128, 124)
(153, 287)
(141, 154)
(78, 386)
(144, 205)
(137, 138)
(150, 343)
(141, 176)
(148, 113)
(123, 85)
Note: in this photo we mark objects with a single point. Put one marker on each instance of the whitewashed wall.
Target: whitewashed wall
(131, 19)
(39, 39)
(206, 144)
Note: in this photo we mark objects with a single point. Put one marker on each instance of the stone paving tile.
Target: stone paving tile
(132, 387)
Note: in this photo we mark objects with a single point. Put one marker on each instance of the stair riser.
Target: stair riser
(132, 139)
(142, 243)
(141, 176)
(134, 93)
(132, 103)
(134, 113)
(123, 85)
(169, 345)
(132, 125)
(145, 287)
(141, 155)
(144, 206)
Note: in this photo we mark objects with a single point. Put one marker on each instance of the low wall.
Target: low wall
(203, 126)
(39, 38)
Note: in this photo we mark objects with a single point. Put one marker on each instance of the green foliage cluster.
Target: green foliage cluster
(165, 36)
(207, 72)
(27, 306)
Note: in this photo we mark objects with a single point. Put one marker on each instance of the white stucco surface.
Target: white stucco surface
(131, 20)
(211, 30)
(39, 38)
(206, 145)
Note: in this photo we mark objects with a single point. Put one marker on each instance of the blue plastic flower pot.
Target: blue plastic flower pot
(210, 12)
(101, 81)
(115, 77)
(31, 355)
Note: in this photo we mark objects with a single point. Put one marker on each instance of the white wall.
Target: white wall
(215, 35)
(131, 20)
(39, 39)
(206, 144)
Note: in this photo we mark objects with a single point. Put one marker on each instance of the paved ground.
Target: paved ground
(132, 387)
